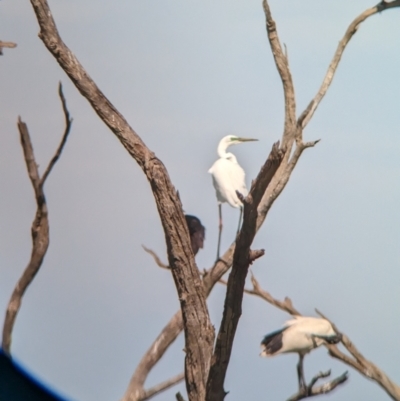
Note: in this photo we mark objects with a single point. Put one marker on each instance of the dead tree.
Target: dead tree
(206, 363)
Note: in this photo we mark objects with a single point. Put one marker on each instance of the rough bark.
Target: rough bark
(242, 259)
(199, 333)
(40, 225)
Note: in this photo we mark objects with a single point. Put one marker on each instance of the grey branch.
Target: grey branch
(199, 332)
(282, 65)
(311, 391)
(40, 225)
(307, 114)
(159, 388)
(68, 124)
(156, 258)
(9, 45)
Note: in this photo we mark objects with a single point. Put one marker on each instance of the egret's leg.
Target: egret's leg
(240, 219)
(300, 373)
(220, 228)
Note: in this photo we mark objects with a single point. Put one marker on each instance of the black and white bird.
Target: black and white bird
(300, 335)
(228, 177)
(197, 232)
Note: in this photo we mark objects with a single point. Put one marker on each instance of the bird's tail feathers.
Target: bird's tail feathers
(272, 343)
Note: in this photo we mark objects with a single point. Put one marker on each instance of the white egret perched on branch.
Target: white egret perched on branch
(228, 177)
(301, 335)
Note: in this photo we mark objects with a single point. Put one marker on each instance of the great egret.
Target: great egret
(300, 335)
(197, 232)
(228, 177)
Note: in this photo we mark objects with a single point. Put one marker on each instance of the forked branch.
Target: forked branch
(199, 332)
(307, 114)
(310, 390)
(40, 225)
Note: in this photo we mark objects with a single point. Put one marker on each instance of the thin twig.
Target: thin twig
(159, 388)
(39, 230)
(282, 65)
(9, 45)
(156, 258)
(307, 114)
(68, 124)
(311, 391)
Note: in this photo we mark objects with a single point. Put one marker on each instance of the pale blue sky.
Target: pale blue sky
(185, 74)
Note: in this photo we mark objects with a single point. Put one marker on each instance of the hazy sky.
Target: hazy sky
(184, 74)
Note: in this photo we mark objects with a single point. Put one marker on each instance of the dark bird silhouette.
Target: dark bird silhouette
(197, 232)
(18, 385)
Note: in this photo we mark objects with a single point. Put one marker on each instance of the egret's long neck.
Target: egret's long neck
(222, 150)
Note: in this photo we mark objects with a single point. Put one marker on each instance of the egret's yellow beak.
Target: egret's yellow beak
(246, 139)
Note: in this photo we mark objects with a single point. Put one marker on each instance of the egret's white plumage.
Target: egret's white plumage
(300, 335)
(228, 177)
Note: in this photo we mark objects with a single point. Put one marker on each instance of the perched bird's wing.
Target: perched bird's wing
(228, 177)
(272, 342)
(17, 385)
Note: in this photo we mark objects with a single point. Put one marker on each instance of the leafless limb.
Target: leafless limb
(282, 65)
(311, 391)
(307, 114)
(199, 332)
(363, 365)
(68, 123)
(241, 262)
(358, 362)
(159, 388)
(156, 258)
(9, 45)
(40, 225)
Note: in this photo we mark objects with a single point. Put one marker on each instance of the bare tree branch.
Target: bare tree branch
(241, 262)
(9, 45)
(159, 388)
(68, 123)
(311, 391)
(135, 390)
(307, 114)
(158, 261)
(199, 332)
(364, 366)
(40, 225)
(359, 363)
(282, 65)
